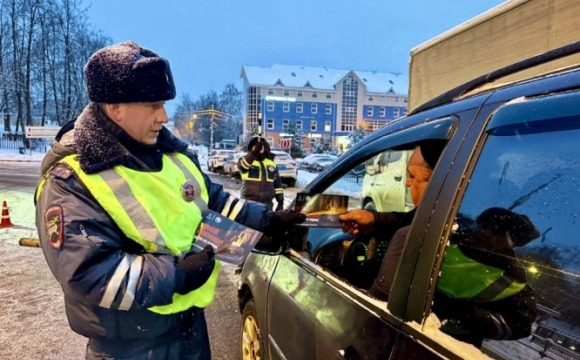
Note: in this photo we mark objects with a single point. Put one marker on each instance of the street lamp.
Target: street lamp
(215, 115)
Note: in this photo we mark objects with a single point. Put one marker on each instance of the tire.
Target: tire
(291, 182)
(370, 205)
(252, 344)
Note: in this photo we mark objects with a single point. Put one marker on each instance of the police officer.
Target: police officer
(117, 211)
(259, 172)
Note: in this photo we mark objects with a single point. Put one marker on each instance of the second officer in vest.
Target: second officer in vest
(260, 178)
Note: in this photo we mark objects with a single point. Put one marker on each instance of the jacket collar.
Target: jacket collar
(96, 139)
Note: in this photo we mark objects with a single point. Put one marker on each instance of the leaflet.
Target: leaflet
(321, 210)
(231, 241)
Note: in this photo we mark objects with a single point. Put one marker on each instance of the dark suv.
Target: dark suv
(514, 147)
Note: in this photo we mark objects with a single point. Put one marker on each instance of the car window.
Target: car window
(362, 255)
(510, 278)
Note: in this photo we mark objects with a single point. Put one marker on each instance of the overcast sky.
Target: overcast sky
(208, 41)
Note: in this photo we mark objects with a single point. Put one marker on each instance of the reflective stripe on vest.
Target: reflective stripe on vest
(245, 175)
(150, 209)
(464, 278)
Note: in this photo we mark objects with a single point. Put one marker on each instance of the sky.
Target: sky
(208, 41)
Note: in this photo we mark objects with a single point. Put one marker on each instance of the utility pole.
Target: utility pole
(214, 115)
(211, 128)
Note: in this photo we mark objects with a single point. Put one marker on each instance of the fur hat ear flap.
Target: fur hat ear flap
(126, 73)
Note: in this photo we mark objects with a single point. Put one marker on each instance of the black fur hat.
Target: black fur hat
(125, 73)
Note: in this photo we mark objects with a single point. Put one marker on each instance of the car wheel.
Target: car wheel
(252, 345)
(370, 205)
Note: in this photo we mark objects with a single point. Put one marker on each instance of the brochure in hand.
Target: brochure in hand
(321, 210)
(231, 241)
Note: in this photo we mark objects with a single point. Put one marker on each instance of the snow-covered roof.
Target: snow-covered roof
(323, 78)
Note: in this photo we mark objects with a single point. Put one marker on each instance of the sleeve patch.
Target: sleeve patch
(54, 224)
(61, 171)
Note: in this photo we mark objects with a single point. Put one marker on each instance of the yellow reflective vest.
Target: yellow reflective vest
(159, 210)
(464, 278)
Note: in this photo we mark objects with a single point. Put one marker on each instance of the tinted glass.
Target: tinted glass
(512, 269)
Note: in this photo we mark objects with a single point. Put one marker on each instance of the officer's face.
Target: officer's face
(142, 121)
(418, 175)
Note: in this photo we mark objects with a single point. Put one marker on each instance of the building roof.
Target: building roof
(322, 78)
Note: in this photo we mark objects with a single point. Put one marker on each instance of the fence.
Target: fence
(19, 142)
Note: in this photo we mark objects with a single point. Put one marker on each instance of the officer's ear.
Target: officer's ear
(113, 111)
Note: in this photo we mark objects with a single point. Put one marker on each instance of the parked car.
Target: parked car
(217, 158)
(317, 162)
(287, 167)
(513, 146)
(384, 186)
(231, 164)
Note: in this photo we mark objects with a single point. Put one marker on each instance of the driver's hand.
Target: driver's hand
(357, 222)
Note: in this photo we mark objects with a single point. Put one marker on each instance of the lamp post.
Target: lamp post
(214, 115)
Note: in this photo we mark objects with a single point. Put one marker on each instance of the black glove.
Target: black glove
(280, 201)
(279, 222)
(197, 268)
(257, 148)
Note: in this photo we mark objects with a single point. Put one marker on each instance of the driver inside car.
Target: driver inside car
(469, 319)
(366, 222)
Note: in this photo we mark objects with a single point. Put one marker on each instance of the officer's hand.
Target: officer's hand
(279, 222)
(358, 221)
(197, 268)
(258, 148)
(280, 201)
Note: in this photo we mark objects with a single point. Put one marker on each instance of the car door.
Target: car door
(384, 182)
(520, 162)
(316, 308)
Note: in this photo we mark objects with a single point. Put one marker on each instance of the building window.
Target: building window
(270, 106)
(371, 98)
(328, 109)
(397, 99)
(315, 94)
(312, 125)
(286, 93)
(349, 107)
(382, 112)
(314, 108)
(299, 124)
(270, 124)
(285, 124)
(286, 107)
(370, 111)
(299, 107)
(299, 94)
(329, 95)
(327, 126)
(270, 92)
(396, 112)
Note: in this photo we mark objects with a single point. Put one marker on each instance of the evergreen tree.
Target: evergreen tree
(355, 137)
(297, 141)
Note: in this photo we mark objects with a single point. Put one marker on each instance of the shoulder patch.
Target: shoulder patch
(53, 220)
(61, 171)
